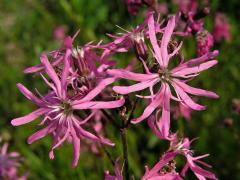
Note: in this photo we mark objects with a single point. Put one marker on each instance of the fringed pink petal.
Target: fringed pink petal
(94, 92)
(153, 39)
(65, 72)
(51, 73)
(193, 70)
(29, 118)
(99, 104)
(29, 95)
(195, 91)
(125, 74)
(165, 40)
(42, 133)
(186, 99)
(134, 88)
(76, 148)
(164, 123)
(156, 102)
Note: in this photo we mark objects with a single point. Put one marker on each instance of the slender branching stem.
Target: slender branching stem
(110, 118)
(125, 152)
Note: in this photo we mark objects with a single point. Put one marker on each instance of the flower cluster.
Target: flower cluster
(9, 163)
(74, 83)
(78, 94)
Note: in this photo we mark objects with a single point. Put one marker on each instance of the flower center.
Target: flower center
(66, 107)
(165, 75)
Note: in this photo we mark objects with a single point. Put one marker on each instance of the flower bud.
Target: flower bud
(80, 62)
(140, 46)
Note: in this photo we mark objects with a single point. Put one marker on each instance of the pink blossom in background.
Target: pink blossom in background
(58, 108)
(134, 6)
(98, 126)
(59, 33)
(221, 28)
(182, 111)
(186, 6)
(163, 77)
(153, 5)
(9, 163)
(204, 42)
(162, 8)
(118, 173)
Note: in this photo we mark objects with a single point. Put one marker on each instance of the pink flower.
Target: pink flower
(158, 172)
(118, 173)
(221, 28)
(183, 148)
(204, 42)
(167, 161)
(9, 163)
(59, 107)
(163, 77)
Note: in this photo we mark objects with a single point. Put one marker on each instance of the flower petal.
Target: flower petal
(94, 92)
(29, 95)
(153, 39)
(42, 133)
(30, 117)
(165, 40)
(136, 87)
(195, 91)
(202, 59)
(164, 123)
(91, 136)
(121, 73)
(76, 148)
(151, 124)
(186, 99)
(40, 67)
(65, 72)
(149, 109)
(51, 72)
(193, 70)
(99, 104)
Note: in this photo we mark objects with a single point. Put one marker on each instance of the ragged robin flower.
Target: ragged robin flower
(60, 107)
(165, 78)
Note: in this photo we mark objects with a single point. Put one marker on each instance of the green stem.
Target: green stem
(125, 152)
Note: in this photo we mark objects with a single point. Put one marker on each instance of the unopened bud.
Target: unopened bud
(80, 62)
(140, 46)
(228, 122)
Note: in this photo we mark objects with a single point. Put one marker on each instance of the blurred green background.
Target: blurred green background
(26, 29)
